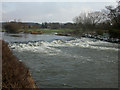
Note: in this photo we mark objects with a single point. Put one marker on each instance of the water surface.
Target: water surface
(60, 61)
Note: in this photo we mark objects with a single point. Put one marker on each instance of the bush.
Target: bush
(114, 33)
(12, 27)
(99, 32)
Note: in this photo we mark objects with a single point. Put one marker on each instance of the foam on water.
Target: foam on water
(38, 47)
(49, 47)
(84, 61)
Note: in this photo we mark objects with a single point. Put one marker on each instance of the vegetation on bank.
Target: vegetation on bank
(14, 73)
(50, 30)
(45, 31)
(12, 27)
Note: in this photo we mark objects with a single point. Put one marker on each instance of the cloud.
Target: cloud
(48, 11)
(60, 1)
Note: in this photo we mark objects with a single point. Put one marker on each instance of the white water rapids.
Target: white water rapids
(49, 47)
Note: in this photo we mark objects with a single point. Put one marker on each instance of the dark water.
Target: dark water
(59, 61)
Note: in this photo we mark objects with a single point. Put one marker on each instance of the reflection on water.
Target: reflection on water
(59, 61)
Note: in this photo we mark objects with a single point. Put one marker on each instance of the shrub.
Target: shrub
(12, 27)
(99, 32)
(114, 33)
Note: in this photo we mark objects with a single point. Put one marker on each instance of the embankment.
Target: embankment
(14, 73)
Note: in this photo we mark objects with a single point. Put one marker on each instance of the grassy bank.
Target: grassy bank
(77, 32)
(50, 30)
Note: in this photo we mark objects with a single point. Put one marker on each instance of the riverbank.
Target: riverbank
(70, 32)
(102, 38)
(14, 73)
(42, 31)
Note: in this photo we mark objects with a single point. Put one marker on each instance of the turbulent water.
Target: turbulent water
(60, 61)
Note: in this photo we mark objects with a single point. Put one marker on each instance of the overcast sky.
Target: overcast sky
(48, 11)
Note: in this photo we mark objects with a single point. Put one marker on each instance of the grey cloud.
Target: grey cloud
(47, 11)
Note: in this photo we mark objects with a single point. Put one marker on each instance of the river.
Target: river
(67, 62)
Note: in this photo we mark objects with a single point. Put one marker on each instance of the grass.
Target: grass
(14, 73)
(51, 30)
(2, 30)
(58, 31)
(45, 31)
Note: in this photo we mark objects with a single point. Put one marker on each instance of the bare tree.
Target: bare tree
(82, 19)
(96, 17)
(89, 20)
(114, 15)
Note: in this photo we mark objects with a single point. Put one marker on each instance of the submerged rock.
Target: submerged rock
(14, 73)
(62, 34)
(36, 32)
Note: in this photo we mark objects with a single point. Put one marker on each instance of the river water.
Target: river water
(60, 61)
